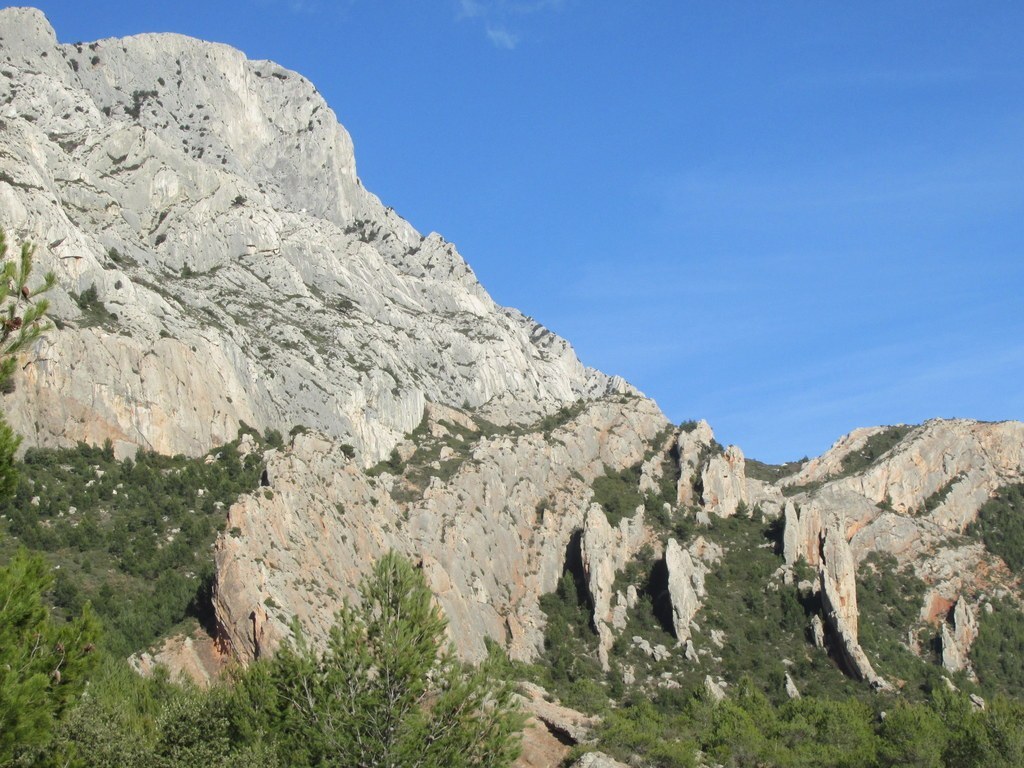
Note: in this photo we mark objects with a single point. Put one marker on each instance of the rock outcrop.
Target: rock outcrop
(491, 539)
(693, 445)
(550, 728)
(685, 588)
(195, 657)
(837, 571)
(598, 760)
(605, 551)
(911, 502)
(725, 484)
(958, 637)
(219, 262)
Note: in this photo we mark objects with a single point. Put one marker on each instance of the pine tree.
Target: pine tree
(387, 691)
(43, 663)
(22, 322)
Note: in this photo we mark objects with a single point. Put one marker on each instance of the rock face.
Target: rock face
(694, 448)
(491, 539)
(725, 484)
(958, 638)
(605, 551)
(685, 588)
(837, 572)
(912, 502)
(218, 261)
(195, 657)
(550, 728)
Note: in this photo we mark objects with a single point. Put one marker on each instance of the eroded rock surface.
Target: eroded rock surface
(958, 637)
(491, 539)
(685, 588)
(725, 483)
(219, 261)
(605, 551)
(837, 571)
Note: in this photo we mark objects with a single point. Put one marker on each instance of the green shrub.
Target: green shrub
(1000, 525)
(618, 493)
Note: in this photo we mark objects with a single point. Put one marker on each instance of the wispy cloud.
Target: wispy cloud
(501, 18)
(502, 38)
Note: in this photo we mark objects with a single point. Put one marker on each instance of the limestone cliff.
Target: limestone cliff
(836, 570)
(491, 538)
(220, 262)
(604, 552)
(913, 502)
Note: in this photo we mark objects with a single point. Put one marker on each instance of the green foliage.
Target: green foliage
(763, 621)
(771, 473)
(127, 721)
(22, 322)
(94, 311)
(386, 691)
(559, 418)
(132, 537)
(1000, 524)
(912, 737)
(874, 448)
(44, 663)
(639, 728)
(746, 729)
(570, 644)
(618, 493)
(22, 310)
(997, 654)
(393, 464)
(935, 500)
(889, 600)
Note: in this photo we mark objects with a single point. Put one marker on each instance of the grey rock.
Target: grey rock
(837, 572)
(958, 638)
(791, 690)
(484, 551)
(715, 689)
(724, 483)
(683, 577)
(213, 204)
(598, 760)
(575, 725)
(692, 447)
(605, 551)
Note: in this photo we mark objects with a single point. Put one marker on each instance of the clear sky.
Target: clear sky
(789, 218)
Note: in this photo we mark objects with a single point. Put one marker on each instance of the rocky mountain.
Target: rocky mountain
(219, 261)
(219, 264)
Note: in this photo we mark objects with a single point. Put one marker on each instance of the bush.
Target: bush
(387, 691)
(618, 493)
(1000, 525)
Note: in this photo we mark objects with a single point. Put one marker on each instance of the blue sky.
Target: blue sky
(788, 218)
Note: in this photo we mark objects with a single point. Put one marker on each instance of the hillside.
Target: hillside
(262, 380)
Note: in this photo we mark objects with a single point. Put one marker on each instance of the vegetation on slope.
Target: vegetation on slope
(873, 449)
(383, 692)
(134, 537)
(754, 631)
(1000, 525)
